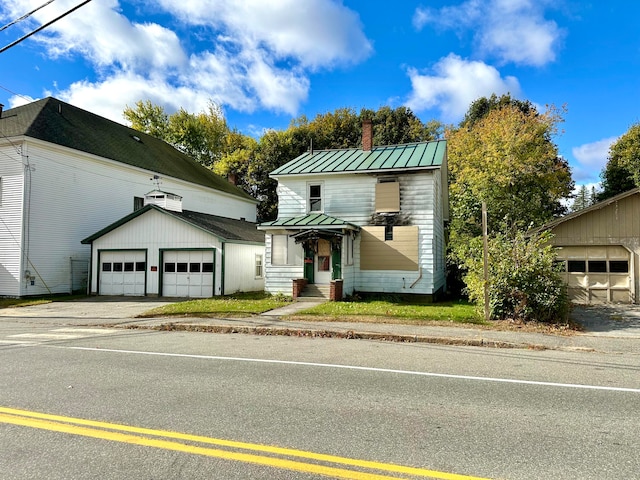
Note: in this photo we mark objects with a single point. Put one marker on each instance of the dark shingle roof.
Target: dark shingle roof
(227, 229)
(409, 156)
(54, 121)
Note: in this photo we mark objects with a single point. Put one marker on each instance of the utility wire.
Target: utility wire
(42, 27)
(26, 15)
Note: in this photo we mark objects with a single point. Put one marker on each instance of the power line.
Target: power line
(17, 94)
(42, 27)
(26, 15)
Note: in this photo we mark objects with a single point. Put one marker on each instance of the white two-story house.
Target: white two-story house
(360, 220)
(66, 173)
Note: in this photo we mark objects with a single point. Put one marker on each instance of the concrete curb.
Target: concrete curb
(349, 334)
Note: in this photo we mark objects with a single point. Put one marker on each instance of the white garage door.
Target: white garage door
(597, 274)
(188, 273)
(123, 273)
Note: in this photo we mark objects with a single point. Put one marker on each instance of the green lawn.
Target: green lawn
(241, 304)
(396, 311)
(22, 302)
(368, 311)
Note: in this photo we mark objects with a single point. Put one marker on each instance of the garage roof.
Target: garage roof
(228, 230)
(578, 213)
(60, 123)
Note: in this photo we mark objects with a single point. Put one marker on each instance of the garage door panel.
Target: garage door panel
(123, 273)
(620, 296)
(599, 296)
(188, 273)
(598, 280)
(597, 273)
(619, 281)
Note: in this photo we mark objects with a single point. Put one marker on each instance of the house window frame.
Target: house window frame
(138, 203)
(259, 266)
(290, 256)
(388, 233)
(349, 241)
(381, 207)
(315, 199)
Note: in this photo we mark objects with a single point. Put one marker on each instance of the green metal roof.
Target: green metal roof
(60, 123)
(312, 220)
(409, 156)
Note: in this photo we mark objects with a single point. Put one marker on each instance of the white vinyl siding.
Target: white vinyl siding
(73, 195)
(278, 279)
(12, 278)
(352, 197)
(240, 268)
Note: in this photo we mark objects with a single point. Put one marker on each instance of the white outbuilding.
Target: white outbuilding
(163, 250)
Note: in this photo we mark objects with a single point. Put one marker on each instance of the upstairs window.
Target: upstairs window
(315, 198)
(387, 195)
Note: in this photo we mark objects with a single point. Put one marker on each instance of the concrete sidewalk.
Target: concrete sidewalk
(614, 329)
(276, 322)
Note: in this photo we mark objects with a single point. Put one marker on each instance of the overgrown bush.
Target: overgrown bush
(524, 283)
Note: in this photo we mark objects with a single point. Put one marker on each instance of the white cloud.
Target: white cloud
(512, 31)
(591, 158)
(19, 100)
(315, 33)
(250, 55)
(455, 84)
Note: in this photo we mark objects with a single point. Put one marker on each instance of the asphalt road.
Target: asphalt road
(452, 412)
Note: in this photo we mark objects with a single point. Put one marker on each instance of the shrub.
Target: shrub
(524, 283)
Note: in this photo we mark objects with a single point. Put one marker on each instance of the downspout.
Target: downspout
(417, 279)
(222, 269)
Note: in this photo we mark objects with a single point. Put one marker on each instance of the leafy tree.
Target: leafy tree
(399, 125)
(503, 154)
(622, 171)
(508, 160)
(201, 136)
(148, 118)
(524, 283)
(481, 107)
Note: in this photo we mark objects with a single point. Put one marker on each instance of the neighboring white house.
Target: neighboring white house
(372, 218)
(166, 251)
(65, 173)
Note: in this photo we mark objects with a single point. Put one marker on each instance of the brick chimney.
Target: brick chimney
(367, 135)
(232, 178)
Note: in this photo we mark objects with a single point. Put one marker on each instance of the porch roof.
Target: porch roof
(317, 221)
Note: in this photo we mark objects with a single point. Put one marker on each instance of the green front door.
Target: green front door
(336, 262)
(308, 263)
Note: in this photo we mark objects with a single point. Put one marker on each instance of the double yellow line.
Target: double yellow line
(171, 441)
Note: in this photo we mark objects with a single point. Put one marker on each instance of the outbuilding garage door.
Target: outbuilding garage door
(188, 273)
(597, 274)
(123, 272)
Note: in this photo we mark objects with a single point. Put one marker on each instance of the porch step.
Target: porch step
(315, 291)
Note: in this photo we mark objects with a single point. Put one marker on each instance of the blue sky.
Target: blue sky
(266, 62)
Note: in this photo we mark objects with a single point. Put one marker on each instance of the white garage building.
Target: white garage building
(162, 250)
